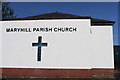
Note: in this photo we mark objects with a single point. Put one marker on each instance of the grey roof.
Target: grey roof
(58, 15)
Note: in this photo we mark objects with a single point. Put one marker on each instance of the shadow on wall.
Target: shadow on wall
(117, 61)
(117, 57)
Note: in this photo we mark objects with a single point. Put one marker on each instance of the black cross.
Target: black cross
(39, 44)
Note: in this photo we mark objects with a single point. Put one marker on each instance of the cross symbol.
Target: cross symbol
(39, 44)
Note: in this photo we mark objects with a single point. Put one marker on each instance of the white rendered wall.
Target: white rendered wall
(77, 50)
(0, 43)
(0, 49)
(64, 50)
(102, 47)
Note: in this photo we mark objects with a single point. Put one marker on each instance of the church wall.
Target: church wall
(0, 43)
(67, 50)
(0, 48)
(85, 53)
(102, 47)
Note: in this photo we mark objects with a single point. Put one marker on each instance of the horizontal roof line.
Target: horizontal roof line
(58, 15)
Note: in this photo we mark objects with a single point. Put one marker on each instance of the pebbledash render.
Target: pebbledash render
(57, 45)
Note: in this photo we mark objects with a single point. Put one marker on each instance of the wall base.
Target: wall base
(56, 73)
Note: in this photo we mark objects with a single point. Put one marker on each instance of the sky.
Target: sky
(99, 10)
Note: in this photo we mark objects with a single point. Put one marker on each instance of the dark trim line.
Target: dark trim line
(92, 23)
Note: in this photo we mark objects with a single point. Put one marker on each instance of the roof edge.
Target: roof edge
(58, 16)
